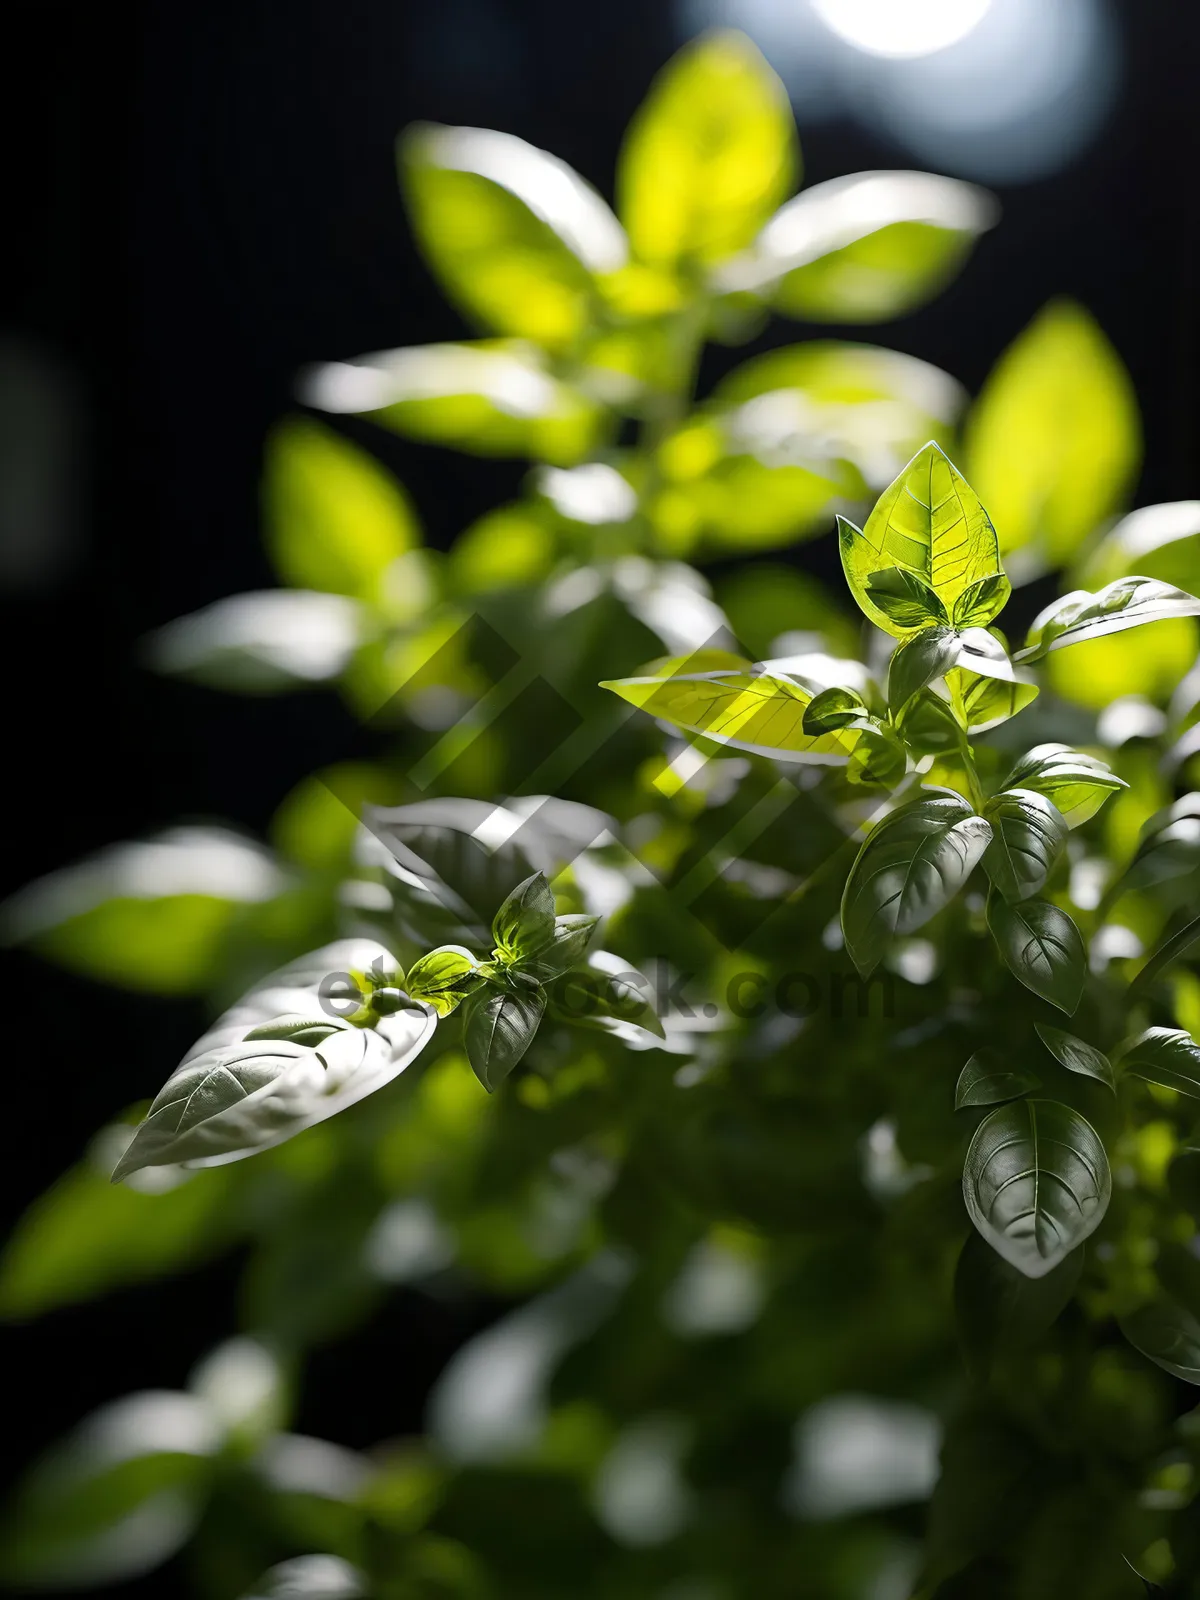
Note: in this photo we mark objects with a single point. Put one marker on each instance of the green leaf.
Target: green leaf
(1161, 541)
(85, 1235)
(986, 700)
(443, 978)
(1036, 1183)
(1166, 1056)
(999, 1309)
(1053, 443)
(928, 725)
(1042, 947)
(489, 398)
(299, 1030)
(515, 235)
(984, 1081)
(264, 643)
(499, 1025)
(1076, 784)
(312, 1577)
(566, 947)
(1077, 1055)
(335, 519)
(709, 154)
(878, 758)
(1028, 835)
(115, 1499)
(524, 924)
(929, 522)
(1168, 848)
(1168, 1334)
(610, 995)
(912, 864)
(985, 599)
(905, 599)
(833, 709)
(152, 915)
(863, 248)
(1125, 603)
(231, 1097)
(754, 710)
(918, 662)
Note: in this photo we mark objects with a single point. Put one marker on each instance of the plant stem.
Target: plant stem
(968, 761)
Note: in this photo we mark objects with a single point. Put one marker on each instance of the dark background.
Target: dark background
(205, 201)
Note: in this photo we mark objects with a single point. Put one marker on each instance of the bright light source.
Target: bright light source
(901, 27)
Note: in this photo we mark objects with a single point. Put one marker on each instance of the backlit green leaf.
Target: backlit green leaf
(515, 235)
(1042, 947)
(1077, 784)
(525, 922)
(905, 599)
(1053, 442)
(443, 978)
(928, 522)
(912, 864)
(1036, 1183)
(1124, 603)
(984, 600)
(708, 156)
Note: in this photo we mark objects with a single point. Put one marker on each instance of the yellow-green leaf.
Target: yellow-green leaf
(1053, 443)
(709, 155)
(335, 519)
(930, 522)
(514, 233)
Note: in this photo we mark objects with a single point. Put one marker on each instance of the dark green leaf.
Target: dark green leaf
(833, 709)
(566, 947)
(1028, 835)
(905, 598)
(499, 1025)
(1042, 947)
(999, 1309)
(1077, 784)
(1124, 603)
(1168, 1335)
(928, 724)
(1076, 1055)
(986, 1081)
(1169, 847)
(1166, 1056)
(913, 863)
(917, 662)
(879, 758)
(525, 922)
(1036, 1183)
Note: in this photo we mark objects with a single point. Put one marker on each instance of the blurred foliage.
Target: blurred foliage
(733, 969)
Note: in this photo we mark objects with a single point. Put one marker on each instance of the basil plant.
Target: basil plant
(728, 1057)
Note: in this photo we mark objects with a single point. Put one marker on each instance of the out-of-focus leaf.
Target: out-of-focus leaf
(231, 1097)
(750, 710)
(1161, 541)
(985, 1081)
(1126, 603)
(864, 248)
(311, 1578)
(873, 407)
(1053, 442)
(491, 398)
(262, 643)
(1169, 1335)
(335, 519)
(1076, 783)
(999, 1309)
(1028, 835)
(1166, 1056)
(86, 1235)
(912, 864)
(764, 601)
(610, 995)
(245, 1387)
(929, 522)
(316, 822)
(1036, 1183)
(708, 156)
(506, 548)
(1042, 947)
(1168, 848)
(498, 1027)
(1101, 670)
(115, 1499)
(515, 235)
(1077, 1055)
(152, 915)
